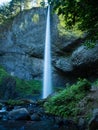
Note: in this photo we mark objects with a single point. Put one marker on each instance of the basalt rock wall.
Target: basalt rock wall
(22, 50)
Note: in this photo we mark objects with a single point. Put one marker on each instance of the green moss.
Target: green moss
(3, 73)
(31, 87)
(14, 102)
(35, 18)
(23, 87)
(64, 104)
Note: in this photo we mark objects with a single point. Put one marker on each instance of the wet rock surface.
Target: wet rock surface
(93, 123)
(18, 114)
(31, 125)
(32, 116)
(22, 50)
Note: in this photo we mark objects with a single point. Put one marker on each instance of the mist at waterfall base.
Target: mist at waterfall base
(47, 80)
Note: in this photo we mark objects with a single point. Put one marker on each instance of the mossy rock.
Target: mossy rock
(22, 87)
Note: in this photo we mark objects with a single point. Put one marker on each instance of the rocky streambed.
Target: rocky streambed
(32, 116)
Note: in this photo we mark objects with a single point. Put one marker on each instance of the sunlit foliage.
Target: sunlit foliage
(80, 12)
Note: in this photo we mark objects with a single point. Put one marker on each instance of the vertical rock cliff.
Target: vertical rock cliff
(22, 49)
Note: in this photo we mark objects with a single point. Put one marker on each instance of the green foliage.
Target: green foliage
(81, 12)
(14, 102)
(69, 33)
(15, 6)
(3, 73)
(90, 43)
(10, 10)
(42, 4)
(65, 102)
(35, 18)
(4, 13)
(31, 87)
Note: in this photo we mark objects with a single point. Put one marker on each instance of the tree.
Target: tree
(80, 12)
(16, 6)
(4, 10)
(4, 13)
(20, 5)
(10, 10)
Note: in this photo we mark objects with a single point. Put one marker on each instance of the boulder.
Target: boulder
(82, 124)
(64, 64)
(65, 124)
(93, 123)
(83, 62)
(19, 114)
(64, 46)
(35, 117)
(84, 57)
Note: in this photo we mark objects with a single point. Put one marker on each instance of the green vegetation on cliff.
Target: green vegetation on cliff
(10, 10)
(31, 87)
(3, 73)
(65, 103)
(68, 32)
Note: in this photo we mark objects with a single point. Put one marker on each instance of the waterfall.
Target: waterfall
(47, 83)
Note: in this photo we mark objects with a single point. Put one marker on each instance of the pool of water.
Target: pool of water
(27, 125)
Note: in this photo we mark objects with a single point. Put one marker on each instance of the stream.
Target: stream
(27, 125)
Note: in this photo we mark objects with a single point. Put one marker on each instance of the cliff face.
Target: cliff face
(22, 44)
(22, 50)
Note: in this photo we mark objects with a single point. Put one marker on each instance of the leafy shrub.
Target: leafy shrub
(65, 103)
(90, 43)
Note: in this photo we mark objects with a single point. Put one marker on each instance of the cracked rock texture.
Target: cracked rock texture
(22, 50)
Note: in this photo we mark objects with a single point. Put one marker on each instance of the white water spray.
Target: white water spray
(47, 83)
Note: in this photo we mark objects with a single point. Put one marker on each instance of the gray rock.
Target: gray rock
(35, 117)
(64, 64)
(85, 56)
(65, 46)
(23, 66)
(22, 50)
(82, 124)
(93, 123)
(82, 62)
(22, 44)
(19, 114)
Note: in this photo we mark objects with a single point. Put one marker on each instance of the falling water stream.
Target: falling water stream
(47, 83)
